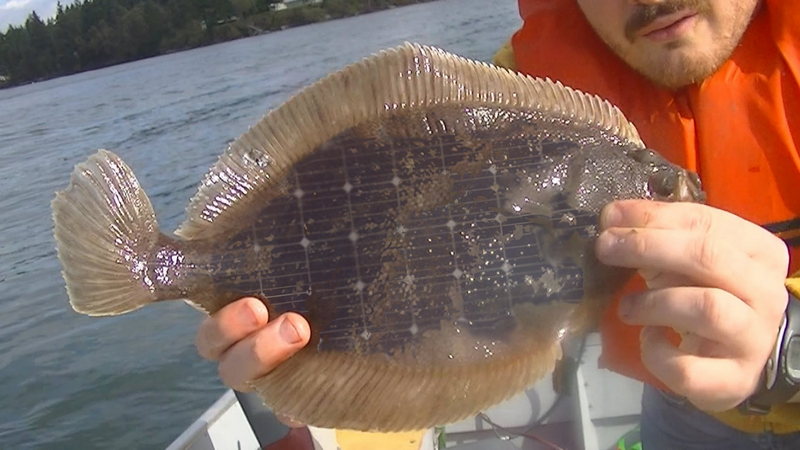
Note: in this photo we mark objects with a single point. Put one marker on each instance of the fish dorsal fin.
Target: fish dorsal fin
(409, 76)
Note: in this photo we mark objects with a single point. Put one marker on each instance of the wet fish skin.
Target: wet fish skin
(366, 204)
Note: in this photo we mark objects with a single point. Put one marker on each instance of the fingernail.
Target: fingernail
(625, 307)
(288, 332)
(647, 335)
(610, 216)
(248, 314)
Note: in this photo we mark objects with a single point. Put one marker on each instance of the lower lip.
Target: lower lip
(673, 31)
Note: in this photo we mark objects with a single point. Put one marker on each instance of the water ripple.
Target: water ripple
(75, 382)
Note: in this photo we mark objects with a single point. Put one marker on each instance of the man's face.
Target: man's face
(672, 42)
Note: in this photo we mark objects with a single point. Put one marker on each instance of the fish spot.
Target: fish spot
(257, 157)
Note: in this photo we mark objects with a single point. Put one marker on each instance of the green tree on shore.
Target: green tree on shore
(89, 34)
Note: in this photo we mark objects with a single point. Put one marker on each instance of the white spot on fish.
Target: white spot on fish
(549, 282)
(568, 218)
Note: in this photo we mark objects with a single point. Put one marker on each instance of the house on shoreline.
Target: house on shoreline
(289, 4)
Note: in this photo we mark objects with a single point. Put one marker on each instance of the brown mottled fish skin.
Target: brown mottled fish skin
(433, 219)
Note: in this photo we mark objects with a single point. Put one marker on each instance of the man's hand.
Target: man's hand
(245, 346)
(715, 278)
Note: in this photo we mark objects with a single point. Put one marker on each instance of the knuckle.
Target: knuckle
(650, 214)
(707, 253)
(780, 254)
(709, 306)
(638, 243)
(701, 221)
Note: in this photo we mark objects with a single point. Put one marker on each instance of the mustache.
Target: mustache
(644, 15)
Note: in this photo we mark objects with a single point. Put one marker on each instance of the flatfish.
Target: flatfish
(432, 218)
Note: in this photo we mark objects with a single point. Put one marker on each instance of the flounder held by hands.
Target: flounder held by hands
(432, 218)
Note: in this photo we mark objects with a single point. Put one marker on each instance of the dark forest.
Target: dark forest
(91, 34)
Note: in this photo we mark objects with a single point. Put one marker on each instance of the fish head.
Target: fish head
(669, 182)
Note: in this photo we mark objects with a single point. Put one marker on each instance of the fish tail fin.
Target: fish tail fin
(105, 227)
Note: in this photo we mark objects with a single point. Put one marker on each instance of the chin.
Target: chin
(674, 66)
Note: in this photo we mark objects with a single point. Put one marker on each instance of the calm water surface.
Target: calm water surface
(73, 382)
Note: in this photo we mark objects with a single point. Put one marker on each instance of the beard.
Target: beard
(687, 60)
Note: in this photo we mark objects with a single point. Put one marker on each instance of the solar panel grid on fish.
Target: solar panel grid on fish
(432, 218)
(336, 233)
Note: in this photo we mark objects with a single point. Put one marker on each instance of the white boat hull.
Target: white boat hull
(602, 406)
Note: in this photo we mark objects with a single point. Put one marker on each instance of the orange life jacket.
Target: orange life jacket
(738, 129)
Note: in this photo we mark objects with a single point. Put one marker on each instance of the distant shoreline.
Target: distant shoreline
(66, 45)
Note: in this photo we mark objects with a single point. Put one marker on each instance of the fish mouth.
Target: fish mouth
(688, 188)
(676, 185)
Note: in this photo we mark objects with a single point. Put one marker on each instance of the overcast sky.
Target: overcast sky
(14, 12)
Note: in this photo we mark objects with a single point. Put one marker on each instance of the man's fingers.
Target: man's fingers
(229, 325)
(706, 312)
(712, 262)
(712, 384)
(259, 353)
(756, 241)
(656, 279)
